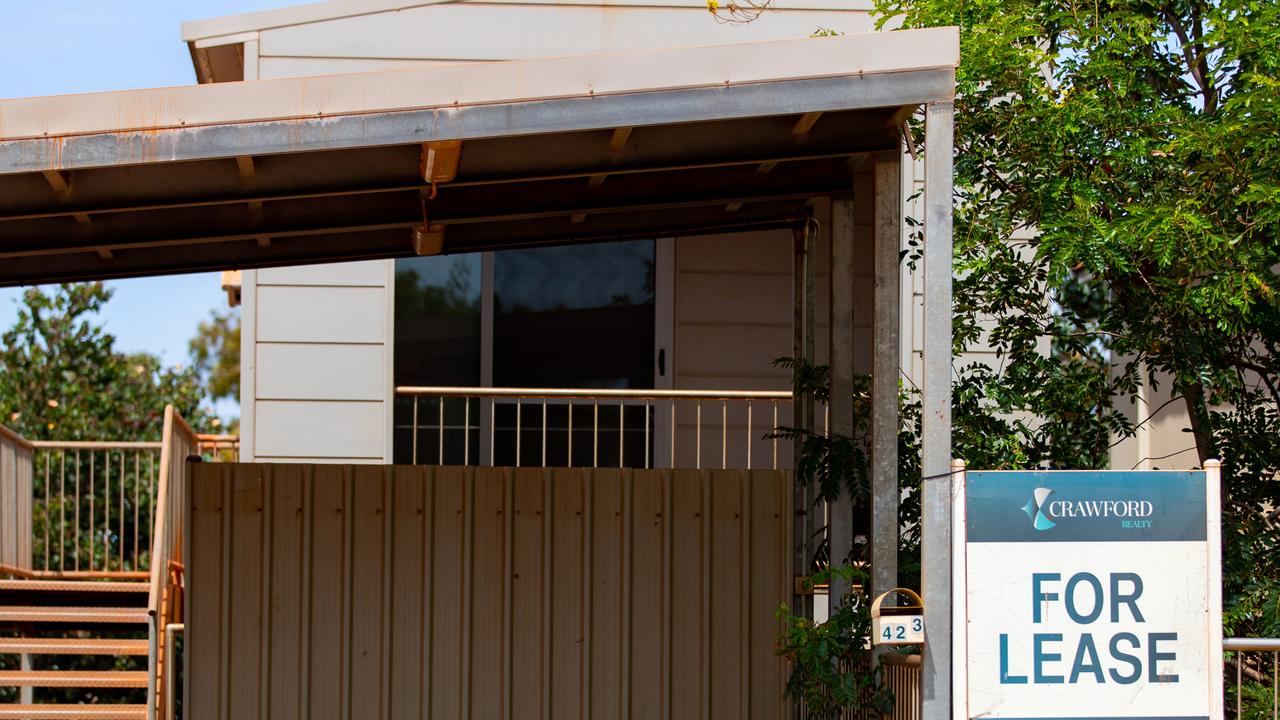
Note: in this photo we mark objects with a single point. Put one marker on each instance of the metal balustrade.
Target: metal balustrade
(546, 427)
(219, 448)
(1255, 665)
(94, 503)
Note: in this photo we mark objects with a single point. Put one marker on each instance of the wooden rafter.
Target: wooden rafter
(805, 123)
(59, 180)
(619, 139)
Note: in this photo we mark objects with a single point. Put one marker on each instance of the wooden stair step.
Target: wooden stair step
(45, 614)
(143, 575)
(72, 646)
(95, 586)
(73, 712)
(74, 678)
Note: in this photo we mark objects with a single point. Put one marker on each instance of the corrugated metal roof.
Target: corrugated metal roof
(477, 84)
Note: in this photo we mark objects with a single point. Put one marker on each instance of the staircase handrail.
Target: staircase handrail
(16, 477)
(15, 437)
(179, 441)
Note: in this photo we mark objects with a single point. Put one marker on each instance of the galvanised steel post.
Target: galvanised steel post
(884, 374)
(936, 414)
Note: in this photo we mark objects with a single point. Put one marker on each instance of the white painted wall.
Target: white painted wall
(472, 31)
(316, 352)
(733, 315)
(466, 31)
(1163, 440)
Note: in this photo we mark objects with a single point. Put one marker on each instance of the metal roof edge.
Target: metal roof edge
(477, 84)
(513, 118)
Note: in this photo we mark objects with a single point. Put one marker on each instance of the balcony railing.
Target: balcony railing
(219, 448)
(546, 427)
(1255, 664)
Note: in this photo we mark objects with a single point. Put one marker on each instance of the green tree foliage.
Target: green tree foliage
(215, 354)
(62, 378)
(1118, 191)
(831, 669)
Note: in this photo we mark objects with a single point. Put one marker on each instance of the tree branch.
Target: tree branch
(1264, 374)
(1193, 393)
(1196, 69)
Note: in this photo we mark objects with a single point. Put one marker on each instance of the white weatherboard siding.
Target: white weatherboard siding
(472, 31)
(1163, 440)
(283, 67)
(316, 428)
(732, 319)
(235, 28)
(317, 361)
(319, 314)
(336, 372)
(733, 310)
(323, 38)
(367, 274)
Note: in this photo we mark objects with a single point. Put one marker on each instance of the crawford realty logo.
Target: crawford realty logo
(1035, 509)
(1043, 512)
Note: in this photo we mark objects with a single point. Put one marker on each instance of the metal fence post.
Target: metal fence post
(936, 414)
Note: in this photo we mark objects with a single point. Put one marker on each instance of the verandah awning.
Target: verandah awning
(321, 169)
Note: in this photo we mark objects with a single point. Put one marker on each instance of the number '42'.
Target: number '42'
(899, 632)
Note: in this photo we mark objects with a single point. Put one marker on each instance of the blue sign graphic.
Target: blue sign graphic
(1084, 506)
(1035, 510)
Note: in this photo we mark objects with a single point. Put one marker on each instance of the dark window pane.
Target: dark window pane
(574, 316)
(437, 334)
(437, 342)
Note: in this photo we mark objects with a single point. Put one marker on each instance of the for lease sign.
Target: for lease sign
(1088, 595)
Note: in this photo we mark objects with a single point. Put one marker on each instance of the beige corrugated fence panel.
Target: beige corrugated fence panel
(456, 592)
(15, 499)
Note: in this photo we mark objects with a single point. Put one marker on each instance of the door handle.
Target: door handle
(662, 362)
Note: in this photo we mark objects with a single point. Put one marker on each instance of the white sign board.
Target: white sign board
(1088, 595)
